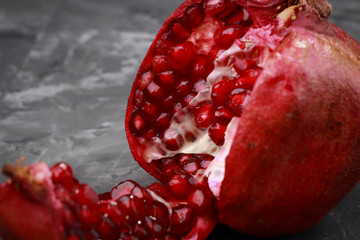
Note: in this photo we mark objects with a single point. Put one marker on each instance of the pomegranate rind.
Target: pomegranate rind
(296, 152)
(28, 208)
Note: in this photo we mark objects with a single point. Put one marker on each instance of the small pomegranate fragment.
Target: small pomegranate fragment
(181, 55)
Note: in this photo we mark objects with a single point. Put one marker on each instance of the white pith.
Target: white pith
(184, 121)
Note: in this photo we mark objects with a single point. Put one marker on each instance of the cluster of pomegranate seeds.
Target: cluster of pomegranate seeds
(129, 211)
(180, 66)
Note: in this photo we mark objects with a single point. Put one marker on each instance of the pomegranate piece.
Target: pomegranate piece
(249, 96)
(128, 211)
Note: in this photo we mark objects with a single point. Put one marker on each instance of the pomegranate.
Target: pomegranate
(246, 111)
(271, 90)
(49, 203)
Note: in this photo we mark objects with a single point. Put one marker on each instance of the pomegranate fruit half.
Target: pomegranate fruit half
(271, 90)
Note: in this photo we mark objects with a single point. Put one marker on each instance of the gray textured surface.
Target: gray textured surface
(66, 68)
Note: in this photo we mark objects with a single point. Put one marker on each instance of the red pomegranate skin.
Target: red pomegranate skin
(296, 152)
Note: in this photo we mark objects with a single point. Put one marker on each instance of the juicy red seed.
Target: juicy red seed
(204, 115)
(200, 201)
(226, 36)
(61, 173)
(155, 91)
(163, 121)
(122, 189)
(181, 55)
(160, 213)
(141, 193)
(150, 134)
(72, 237)
(85, 195)
(173, 140)
(67, 217)
(205, 164)
(159, 190)
(137, 124)
(201, 66)
(113, 212)
(179, 185)
(188, 98)
(155, 228)
(167, 78)
(168, 237)
(169, 101)
(150, 108)
(217, 133)
(179, 30)
(145, 79)
(160, 63)
(236, 103)
(177, 107)
(88, 216)
(182, 219)
(214, 7)
(138, 98)
(221, 90)
(194, 15)
(140, 231)
(183, 87)
(223, 115)
(191, 167)
(242, 64)
(186, 158)
(246, 82)
(106, 228)
(237, 18)
(230, 7)
(132, 206)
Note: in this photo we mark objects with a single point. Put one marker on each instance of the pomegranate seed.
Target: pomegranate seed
(204, 115)
(145, 80)
(230, 7)
(155, 91)
(128, 236)
(179, 185)
(227, 35)
(155, 228)
(169, 101)
(137, 124)
(177, 107)
(163, 121)
(221, 90)
(223, 115)
(217, 133)
(186, 158)
(88, 216)
(150, 108)
(159, 190)
(67, 217)
(182, 219)
(246, 82)
(199, 201)
(237, 18)
(205, 163)
(138, 98)
(179, 30)
(173, 140)
(73, 237)
(160, 63)
(140, 231)
(85, 195)
(194, 15)
(61, 173)
(191, 167)
(242, 64)
(167, 78)
(113, 212)
(122, 189)
(106, 228)
(183, 87)
(163, 45)
(213, 7)
(160, 213)
(181, 55)
(236, 101)
(201, 66)
(150, 134)
(140, 193)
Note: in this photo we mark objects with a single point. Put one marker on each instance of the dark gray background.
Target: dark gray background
(66, 67)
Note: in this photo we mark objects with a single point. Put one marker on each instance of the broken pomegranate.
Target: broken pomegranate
(51, 204)
(271, 90)
(246, 111)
